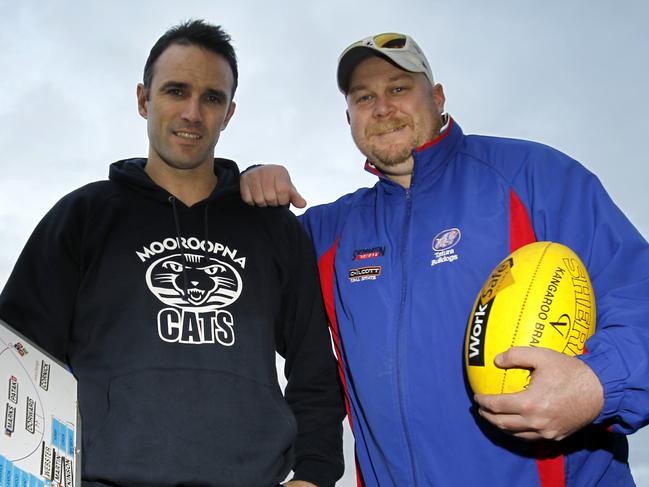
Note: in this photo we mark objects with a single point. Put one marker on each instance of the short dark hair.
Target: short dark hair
(193, 33)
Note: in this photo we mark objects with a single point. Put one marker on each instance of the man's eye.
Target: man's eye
(398, 89)
(175, 92)
(364, 99)
(214, 99)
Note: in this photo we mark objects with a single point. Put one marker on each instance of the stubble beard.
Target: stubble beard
(392, 155)
(380, 154)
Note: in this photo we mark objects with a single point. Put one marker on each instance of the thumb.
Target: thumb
(519, 358)
(296, 198)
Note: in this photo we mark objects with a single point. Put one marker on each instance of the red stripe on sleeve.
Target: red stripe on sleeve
(549, 458)
(521, 231)
(326, 268)
(550, 464)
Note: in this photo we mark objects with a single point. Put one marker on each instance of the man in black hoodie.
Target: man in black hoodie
(168, 297)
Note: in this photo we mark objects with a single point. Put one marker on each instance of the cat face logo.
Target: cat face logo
(210, 283)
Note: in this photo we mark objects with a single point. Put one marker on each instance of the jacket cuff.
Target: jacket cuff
(602, 362)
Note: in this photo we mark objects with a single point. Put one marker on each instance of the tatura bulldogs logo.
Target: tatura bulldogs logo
(443, 244)
(446, 239)
(195, 280)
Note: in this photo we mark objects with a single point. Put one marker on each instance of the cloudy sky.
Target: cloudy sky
(569, 73)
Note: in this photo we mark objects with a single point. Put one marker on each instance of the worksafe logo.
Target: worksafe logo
(195, 280)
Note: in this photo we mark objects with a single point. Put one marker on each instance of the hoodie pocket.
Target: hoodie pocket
(191, 427)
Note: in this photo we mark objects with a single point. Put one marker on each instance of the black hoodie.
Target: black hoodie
(170, 317)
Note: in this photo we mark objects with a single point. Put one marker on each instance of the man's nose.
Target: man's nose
(192, 110)
(383, 107)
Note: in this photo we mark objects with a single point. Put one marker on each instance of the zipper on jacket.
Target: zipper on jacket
(401, 327)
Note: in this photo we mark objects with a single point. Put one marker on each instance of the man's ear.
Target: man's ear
(439, 97)
(231, 109)
(141, 101)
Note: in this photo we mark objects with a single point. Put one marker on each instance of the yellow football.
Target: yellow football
(539, 296)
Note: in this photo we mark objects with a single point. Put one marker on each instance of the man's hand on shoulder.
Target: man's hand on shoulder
(269, 185)
(299, 483)
(563, 396)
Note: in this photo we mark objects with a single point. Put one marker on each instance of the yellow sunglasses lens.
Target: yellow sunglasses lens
(390, 41)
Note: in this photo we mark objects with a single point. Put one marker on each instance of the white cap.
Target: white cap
(401, 49)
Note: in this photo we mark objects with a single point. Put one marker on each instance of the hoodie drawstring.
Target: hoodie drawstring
(172, 200)
(206, 227)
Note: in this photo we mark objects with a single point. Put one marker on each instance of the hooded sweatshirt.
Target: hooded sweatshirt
(169, 317)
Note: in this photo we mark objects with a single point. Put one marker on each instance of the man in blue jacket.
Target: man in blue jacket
(401, 263)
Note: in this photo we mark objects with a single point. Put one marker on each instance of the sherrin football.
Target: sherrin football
(539, 296)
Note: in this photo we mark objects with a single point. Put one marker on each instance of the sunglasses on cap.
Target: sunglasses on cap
(401, 49)
(387, 40)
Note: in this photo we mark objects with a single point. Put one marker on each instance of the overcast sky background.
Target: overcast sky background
(571, 74)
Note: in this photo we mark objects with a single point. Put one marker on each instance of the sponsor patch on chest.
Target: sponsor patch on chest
(369, 253)
(368, 273)
(444, 244)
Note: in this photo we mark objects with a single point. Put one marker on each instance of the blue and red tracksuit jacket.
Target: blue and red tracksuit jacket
(400, 269)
